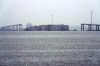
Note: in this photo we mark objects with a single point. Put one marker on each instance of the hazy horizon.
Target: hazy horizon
(70, 12)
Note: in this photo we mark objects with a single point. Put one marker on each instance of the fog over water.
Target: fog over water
(71, 12)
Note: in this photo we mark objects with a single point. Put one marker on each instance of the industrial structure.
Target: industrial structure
(17, 27)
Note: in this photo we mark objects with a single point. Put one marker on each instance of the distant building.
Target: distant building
(59, 27)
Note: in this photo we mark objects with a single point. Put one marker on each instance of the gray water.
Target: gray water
(50, 48)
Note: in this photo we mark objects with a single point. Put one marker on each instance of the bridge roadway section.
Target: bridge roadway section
(17, 27)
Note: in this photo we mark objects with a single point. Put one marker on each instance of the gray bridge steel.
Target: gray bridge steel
(17, 27)
(97, 27)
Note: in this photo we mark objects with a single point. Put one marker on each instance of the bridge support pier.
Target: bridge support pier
(97, 28)
(89, 27)
(82, 27)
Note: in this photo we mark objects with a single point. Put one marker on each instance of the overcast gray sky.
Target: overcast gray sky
(71, 12)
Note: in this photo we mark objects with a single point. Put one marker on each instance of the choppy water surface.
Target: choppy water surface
(49, 48)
